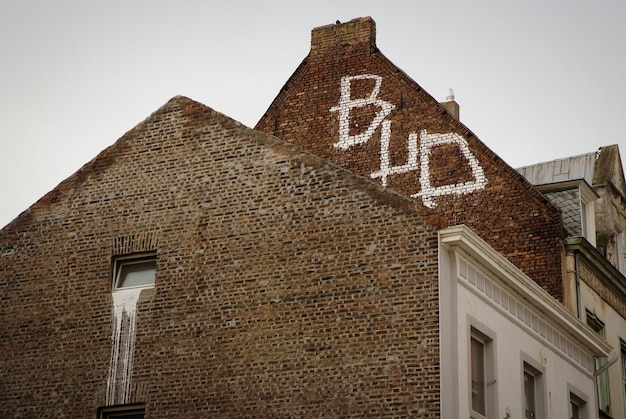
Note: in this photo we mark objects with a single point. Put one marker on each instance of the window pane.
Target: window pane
(623, 346)
(604, 397)
(136, 274)
(121, 412)
(575, 411)
(124, 416)
(478, 376)
(529, 395)
(583, 218)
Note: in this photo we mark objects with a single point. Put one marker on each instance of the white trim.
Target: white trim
(461, 238)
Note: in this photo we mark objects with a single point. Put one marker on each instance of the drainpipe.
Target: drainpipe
(578, 297)
(606, 366)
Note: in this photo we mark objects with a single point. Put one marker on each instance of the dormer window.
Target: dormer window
(575, 199)
(587, 213)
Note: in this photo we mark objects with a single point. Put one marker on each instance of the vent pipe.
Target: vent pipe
(450, 105)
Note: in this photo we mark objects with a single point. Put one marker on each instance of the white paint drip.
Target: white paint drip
(123, 337)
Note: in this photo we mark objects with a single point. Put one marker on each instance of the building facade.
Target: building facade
(508, 349)
(359, 254)
(351, 105)
(591, 193)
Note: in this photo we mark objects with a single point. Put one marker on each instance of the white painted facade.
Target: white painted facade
(480, 291)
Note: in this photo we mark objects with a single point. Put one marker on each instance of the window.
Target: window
(122, 412)
(604, 399)
(530, 408)
(134, 271)
(577, 407)
(533, 390)
(587, 213)
(482, 373)
(619, 258)
(583, 218)
(479, 390)
(623, 356)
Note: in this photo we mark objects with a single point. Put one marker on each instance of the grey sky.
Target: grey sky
(536, 80)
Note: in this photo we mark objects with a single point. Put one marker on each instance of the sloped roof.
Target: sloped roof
(196, 116)
(562, 170)
(601, 167)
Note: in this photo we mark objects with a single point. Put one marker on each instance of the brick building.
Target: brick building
(348, 103)
(315, 266)
(284, 286)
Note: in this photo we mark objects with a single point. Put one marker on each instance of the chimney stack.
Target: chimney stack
(346, 36)
(451, 106)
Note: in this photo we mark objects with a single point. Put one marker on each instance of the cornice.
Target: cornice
(461, 238)
(608, 273)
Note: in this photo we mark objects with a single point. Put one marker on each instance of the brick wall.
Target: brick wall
(349, 104)
(285, 287)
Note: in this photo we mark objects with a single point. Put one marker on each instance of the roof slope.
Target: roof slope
(181, 121)
(561, 170)
(601, 167)
(271, 263)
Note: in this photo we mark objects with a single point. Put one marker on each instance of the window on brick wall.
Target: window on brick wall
(122, 412)
(135, 271)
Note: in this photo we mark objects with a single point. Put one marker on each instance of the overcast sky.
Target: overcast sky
(536, 80)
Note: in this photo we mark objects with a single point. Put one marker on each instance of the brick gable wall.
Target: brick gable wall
(285, 286)
(349, 104)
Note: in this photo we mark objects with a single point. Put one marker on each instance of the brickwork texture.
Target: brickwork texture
(286, 286)
(296, 265)
(349, 104)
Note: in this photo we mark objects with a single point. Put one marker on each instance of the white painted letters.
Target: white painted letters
(427, 143)
(346, 104)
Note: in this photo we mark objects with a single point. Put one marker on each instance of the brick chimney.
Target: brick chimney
(344, 37)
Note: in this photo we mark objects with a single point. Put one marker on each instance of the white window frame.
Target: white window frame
(119, 262)
(587, 212)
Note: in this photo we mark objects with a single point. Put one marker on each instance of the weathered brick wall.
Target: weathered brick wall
(285, 287)
(349, 104)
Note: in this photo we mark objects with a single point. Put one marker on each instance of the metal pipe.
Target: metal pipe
(579, 303)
